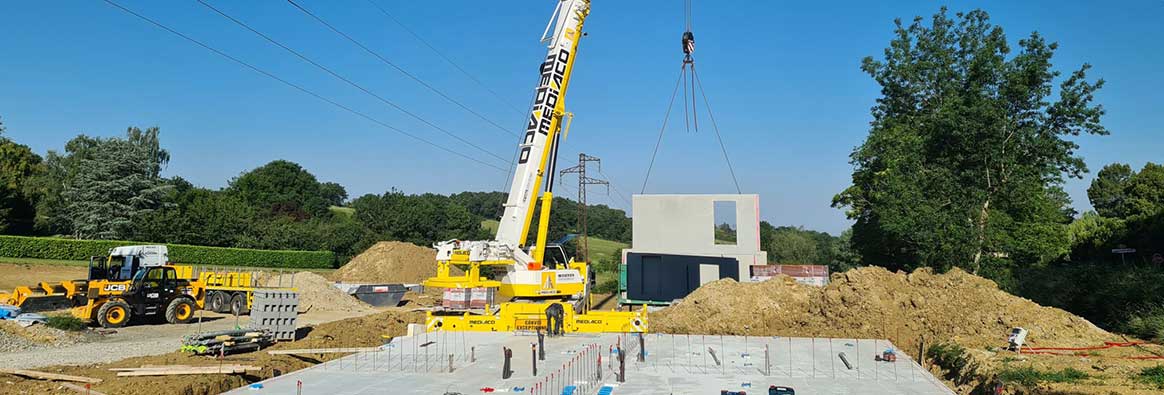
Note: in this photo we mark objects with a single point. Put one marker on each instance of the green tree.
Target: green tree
(282, 188)
(966, 155)
(1108, 189)
(420, 219)
(793, 246)
(18, 167)
(199, 216)
(334, 194)
(101, 185)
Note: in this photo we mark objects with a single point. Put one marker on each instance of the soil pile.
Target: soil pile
(390, 262)
(317, 293)
(366, 331)
(872, 302)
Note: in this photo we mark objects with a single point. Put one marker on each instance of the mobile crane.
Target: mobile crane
(532, 285)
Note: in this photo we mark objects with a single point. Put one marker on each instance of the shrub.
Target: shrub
(950, 356)
(1029, 377)
(65, 322)
(607, 286)
(73, 249)
(1146, 325)
(1152, 376)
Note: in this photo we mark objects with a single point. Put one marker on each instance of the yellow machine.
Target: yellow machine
(130, 281)
(152, 291)
(113, 275)
(532, 282)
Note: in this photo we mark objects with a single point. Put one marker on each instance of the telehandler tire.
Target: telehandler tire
(113, 314)
(180, 311)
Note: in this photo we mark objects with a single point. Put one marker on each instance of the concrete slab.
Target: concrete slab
(674, 364)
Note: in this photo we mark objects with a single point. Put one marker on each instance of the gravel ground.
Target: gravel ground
(12, 343)
(131, 341)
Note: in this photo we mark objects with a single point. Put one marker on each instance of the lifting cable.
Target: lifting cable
(690, 119)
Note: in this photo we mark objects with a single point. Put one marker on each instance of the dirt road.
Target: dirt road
(14, 275)
(141, 340)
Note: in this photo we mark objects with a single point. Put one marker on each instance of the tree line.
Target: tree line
(112, 189)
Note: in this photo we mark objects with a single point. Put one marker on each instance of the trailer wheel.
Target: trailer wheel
(180, 311)
(216, 301)
(238, 304)
(114, 314)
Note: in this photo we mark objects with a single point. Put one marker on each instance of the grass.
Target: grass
(1147, 324)
(490, 225)
(36, 261)
(1152, 376)
(65, 322)
(1029, 377)
(602, 250)
(344, 211)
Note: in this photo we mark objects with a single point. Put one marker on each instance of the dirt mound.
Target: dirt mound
(366, 331)
(390, 262)
(872, 302)
(317, 293)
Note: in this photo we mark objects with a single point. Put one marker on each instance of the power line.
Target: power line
(443, 56)
(345, 79)
(398, 68)
(613, 185)
(293, 85)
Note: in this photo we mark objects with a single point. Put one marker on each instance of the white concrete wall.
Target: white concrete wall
(685, 224)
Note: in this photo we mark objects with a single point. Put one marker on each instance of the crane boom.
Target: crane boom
(531, 287)
(539, 145)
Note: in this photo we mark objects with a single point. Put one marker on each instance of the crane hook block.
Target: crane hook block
(688, 43)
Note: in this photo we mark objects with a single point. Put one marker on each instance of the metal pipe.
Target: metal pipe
(845, 360)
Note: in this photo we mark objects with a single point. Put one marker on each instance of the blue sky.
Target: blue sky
(783, 80)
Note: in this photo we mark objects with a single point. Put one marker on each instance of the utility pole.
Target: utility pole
(583, 181)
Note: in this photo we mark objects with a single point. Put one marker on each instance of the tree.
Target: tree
(793, 246)
(966, 155)
(334, 194)
(283, 188)
(18, 166)
(198, 216)
(101, 185)
(1108, 189)
(420, 219)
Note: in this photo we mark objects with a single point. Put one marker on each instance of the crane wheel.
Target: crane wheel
(238, 304)
(114, 314)
(180, 311)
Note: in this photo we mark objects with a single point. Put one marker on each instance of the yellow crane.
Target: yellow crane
(532, 283)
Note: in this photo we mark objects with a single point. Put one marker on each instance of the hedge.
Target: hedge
(73, 249)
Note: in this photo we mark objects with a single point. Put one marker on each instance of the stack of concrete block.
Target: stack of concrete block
(276, 311)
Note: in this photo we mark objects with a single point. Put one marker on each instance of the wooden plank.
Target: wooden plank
(323, 350)
(189, 371)
(32, 374)
(81, 390)
(175, 367)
